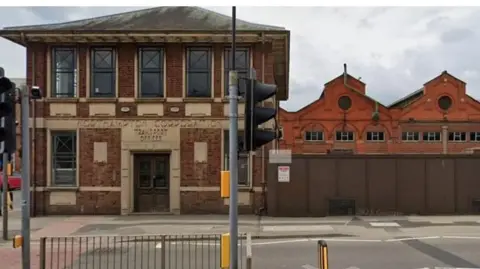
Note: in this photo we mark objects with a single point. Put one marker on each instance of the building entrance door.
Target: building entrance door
(152, 183)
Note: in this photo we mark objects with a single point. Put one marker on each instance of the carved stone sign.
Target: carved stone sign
(150, 134)
(161, 124)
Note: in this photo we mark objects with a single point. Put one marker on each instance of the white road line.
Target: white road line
(411, 238)
(384, 224)
(279, 242)
(460, 237)
(303, 228)
(308, 266)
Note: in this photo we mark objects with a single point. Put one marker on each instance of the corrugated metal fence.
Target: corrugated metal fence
(136, 252)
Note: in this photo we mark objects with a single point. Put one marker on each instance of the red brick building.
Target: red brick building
(135, 114)
(439, 118)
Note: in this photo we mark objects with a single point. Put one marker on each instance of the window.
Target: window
(431, 136)
(410, 136)
(242, 64)
(475, 136)
(199, 72)
(103, 72)
(375, 136)
(64, 158)
(344, 136)
(64, 72)
(457, 136)
(313, 136)
(242, 161)
(151, 72)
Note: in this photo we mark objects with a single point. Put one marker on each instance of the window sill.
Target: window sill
(226, 100)
(61, 188)
(62, 100)
(102, 99)
(198, 100)
(150, 100)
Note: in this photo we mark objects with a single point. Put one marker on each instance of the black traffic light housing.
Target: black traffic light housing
(7, 116)
(255, 93)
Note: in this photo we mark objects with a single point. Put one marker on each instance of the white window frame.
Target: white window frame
(457, 136)
(344, 136)
(430, 135)
(477, 136)
(411, 136)
(313, 134)
(375, 136)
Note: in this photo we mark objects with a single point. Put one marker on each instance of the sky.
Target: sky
(394, 50)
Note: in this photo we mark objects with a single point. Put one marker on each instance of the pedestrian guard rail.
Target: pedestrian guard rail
(197, 251)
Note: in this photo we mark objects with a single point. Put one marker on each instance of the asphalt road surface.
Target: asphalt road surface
(289, 254)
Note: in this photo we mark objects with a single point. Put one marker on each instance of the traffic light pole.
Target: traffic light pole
(25, 177)
(233, 154)
(4, 196)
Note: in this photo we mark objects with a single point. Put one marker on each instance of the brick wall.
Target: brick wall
(107, 174)
(325, 116)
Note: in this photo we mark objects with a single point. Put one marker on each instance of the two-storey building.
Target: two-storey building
(438, 118)
(135, 114)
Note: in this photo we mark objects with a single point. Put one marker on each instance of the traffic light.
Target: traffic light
(7, 142)
(255, 93)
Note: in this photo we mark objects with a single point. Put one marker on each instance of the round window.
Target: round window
(445, 102)
(344, 102)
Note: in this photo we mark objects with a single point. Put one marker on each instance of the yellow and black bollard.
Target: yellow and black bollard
(225, 251)
(322, 254)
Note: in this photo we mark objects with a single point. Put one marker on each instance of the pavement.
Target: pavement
(135, 241)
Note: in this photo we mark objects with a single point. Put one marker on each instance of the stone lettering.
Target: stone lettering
(161, 124)
(150, 134)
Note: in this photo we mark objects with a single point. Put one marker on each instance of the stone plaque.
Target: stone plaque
(150, 134)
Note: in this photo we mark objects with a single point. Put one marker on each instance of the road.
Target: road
(289, 254)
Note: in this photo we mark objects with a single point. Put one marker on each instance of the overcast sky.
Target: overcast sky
(393, 50)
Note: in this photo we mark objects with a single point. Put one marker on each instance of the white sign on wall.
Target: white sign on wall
(284, 174)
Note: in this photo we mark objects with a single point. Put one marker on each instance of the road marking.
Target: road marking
(308, 266)
(348, 240)
(411, 238)
(280, 242)
(297, 228)
(460, 237)
(384, 224)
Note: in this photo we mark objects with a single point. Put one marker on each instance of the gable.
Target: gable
(327, 106)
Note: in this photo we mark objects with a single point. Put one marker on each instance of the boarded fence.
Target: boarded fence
(376, 184)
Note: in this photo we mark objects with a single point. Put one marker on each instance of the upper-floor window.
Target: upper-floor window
(199, 72)
(242, 160)
(313, 136)
(345, 136)
(64, 72)
(64, 158)
(375, 136)
(410, 136)
(457, 136)
(103, 72)
(151, 72)
(242, 64)
(431, 136)
(475, 136)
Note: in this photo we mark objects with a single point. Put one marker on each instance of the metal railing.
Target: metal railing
(137, 252)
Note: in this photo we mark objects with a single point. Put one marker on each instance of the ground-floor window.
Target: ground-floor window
(64, 158)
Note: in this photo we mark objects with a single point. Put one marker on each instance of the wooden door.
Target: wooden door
(152, 183)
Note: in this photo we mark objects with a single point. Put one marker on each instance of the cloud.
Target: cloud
(395, 50)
